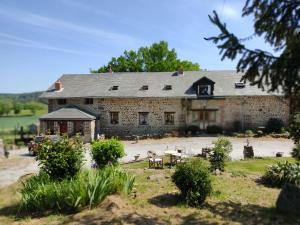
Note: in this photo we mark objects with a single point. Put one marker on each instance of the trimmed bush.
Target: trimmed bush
(214, 129)
(237, 126)
(194, 181)
(87, 189)
(274, 125)
(193, 129)
(62, 158)
(296, 152)
(282, 172)
(295, 128)
(106, 152)
(249, 133)
(220, 153)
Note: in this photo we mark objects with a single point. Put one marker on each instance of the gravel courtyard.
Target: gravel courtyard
(19, 163)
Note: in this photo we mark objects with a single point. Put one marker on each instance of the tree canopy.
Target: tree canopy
(277, 21)
(156, 58)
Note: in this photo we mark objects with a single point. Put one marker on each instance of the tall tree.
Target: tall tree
(277, 21)
(157, 57)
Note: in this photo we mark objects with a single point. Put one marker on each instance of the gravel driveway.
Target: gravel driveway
(19, 163)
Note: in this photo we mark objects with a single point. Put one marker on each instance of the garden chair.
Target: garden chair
(154, 160)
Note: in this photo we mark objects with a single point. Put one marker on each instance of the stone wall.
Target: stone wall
(250, 111)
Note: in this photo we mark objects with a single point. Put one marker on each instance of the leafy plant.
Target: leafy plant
(274, 125)
(296, 152)
(249, 133)
(87, 189)
(295, 127)
(194, 181)
(220, 153)
(106, 152)
(62, 158)
(282, 172)
(193, 129)
(214, 129)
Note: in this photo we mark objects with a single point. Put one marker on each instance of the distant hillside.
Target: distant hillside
(25, 97)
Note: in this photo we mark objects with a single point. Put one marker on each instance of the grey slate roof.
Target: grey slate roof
(68, 114)
(99, 85)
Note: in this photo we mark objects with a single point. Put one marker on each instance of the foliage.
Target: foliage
(106, 152)
(274, 125)
(295, 128)
(87, 189)
(282, 172)
(249, 133)
(277, 22)
(17, 107)
(193, 129)
(194, 181)
(33, 106)
(62, 158)
(296, 151)
(220, 153)
(236, 126)
(157, 57)
(214, 129)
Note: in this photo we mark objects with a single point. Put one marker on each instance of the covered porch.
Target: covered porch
(69, 121)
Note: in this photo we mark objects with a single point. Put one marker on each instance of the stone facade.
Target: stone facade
(251, 111)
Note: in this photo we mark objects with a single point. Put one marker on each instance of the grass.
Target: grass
(237, 199)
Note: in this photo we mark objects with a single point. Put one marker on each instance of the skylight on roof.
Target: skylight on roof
(114, 88)
(239, 85)
(144, 87)
(168, 87)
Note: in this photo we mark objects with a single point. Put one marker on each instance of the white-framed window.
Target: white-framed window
(204, 89)
(169, 118)
(114, 117)
(143, 118)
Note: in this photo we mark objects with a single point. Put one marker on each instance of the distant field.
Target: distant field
(10, 122)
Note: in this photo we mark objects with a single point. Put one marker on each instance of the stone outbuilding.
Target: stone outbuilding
(122, 104)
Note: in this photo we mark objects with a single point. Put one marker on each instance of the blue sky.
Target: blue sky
(40, 40)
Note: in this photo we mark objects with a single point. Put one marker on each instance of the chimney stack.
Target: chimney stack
(180, 71)
(58, 85)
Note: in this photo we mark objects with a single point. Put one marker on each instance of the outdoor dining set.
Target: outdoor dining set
(176, 155)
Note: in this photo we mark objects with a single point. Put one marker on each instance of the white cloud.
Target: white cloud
(9, 39)
(61, 25)
(229, 11)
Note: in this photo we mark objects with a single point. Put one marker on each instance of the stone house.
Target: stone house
(122, 104)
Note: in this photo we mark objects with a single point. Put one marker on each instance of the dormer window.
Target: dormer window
(204, 90)
(168, 87)
(114, 88)
(204, 87)
(144, 87)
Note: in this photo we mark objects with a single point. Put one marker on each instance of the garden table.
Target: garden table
(172, 154)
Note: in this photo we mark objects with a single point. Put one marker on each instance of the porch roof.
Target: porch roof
(68, 114)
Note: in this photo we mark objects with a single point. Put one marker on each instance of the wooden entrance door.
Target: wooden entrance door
(203, 119)
(63, 127)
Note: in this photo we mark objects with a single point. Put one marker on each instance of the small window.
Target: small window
(114, 118)
(168, 87)
(143, 118)
(204, 89)
(88, 101)
(62, 101)
(144, 87)
(114, 88)
(169, 118)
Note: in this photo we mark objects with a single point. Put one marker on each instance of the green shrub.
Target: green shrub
(295, 128)
(249, 133)
(194, 181)
(220, 153)
(274, 125)
(282, 172)
(106, 152)
(236, 126)
(296, 152)
(87, 189)
(193, 129)
(62, 158)
(214, 129)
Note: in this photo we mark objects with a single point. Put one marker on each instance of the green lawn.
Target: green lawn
(8, 123)
(237, 199)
